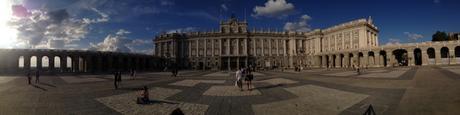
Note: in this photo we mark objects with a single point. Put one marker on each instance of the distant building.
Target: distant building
(349, 44)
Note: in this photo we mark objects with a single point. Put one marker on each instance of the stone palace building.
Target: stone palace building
(349, 44)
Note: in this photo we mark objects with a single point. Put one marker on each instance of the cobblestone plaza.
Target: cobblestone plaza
(391, 91)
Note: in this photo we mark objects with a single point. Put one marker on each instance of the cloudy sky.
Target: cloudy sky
(130, 25)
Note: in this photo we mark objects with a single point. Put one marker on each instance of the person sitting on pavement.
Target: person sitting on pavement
(144, 97)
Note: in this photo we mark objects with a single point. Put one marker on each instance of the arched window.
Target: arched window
(57, 62)
(21, 62)
(33, 61)
(45, 61)
(69, 62)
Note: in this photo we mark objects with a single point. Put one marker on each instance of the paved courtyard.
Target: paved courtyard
(391, 91)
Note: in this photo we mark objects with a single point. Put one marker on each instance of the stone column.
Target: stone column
(437, 52)
(262, 47)
(197, 49)
(392, 58)
(382, 60)
(228, 46)
(39, 62)
(51, 63)
(377, 61)
(270, 47)
(331, 61)
(337, 61)
(324, 61)
(451, 56)
(411, 58)
(254, 42)
(346, 61)
(26, 62)
(237, 47)
(365, 60)
(189, 48)
(277, 42)
(245, 46)
(284, 48)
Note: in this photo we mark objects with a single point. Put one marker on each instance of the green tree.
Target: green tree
(440, 36)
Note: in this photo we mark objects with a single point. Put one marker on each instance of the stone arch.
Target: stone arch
(350, 60)
(401, 57)
(21, 62)
(418, 56)
(371, 58)
(33, 62)
(431, 55)
(445, 56)
(383, 59)
(45, 62)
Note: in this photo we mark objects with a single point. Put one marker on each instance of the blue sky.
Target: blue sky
(130, 25)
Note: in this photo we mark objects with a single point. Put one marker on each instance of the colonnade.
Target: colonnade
(427, 53)
(73, 61)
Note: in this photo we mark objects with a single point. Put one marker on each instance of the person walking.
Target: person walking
(248, 79)
(238, 81)
(133, 74)
(29, 78)
(37, 77)
(357, 70)
(115, 79)
(119, 78)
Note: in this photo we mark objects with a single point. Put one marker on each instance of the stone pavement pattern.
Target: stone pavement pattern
(392, 91)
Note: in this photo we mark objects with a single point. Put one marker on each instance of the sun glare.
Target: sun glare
(8, 34)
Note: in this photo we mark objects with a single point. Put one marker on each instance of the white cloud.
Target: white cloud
(58, 27)
(183, 30)
(104, 17)
(118, 42)
(274, 8)
(413, 36)
(300, 26)
(122, 32)
(393, 41)
(224, 7)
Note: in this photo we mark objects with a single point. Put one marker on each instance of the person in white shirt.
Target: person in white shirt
(239, 79)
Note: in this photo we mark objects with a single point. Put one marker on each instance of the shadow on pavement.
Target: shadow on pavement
(47, 84)
(36, 86)
(269, 86)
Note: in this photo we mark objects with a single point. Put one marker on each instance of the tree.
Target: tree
(440, 36)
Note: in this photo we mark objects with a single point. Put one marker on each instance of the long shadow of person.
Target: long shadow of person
(269, 86)
(36, 86)
(47, 84)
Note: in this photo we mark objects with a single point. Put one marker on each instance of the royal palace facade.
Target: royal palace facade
(349, 44)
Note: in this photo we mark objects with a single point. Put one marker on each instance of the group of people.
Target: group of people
(298, 68)
(37, 77)
(117, 79)
(244, 74)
